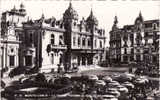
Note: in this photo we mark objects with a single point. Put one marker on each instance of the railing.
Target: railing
(58, 46)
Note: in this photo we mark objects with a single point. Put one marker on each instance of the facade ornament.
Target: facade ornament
(115, 23)
(70, 13)
(115, 20)
(92, 20)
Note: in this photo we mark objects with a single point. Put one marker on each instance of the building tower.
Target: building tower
(92, 24)
(138, 34)
(115, 42)
(70, 19)
(11, 25)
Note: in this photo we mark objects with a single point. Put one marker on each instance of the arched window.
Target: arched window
(100, 43)
(125, 51)
(52, 38)
(75, 23)
(52, 58)
(84, 42)
(89, 42)
(154, 26)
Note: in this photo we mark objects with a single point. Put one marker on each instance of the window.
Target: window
(138, 57)
(125, 37)
(125, 58)
(131, 58)
(31, 38)
(138, 50)
(154, 58)
(79, 41)
(95, 43)
(100, 44)
(146, 34)
(61, 37)
(132, 51)
(12, 60)
(79, 60)
(74, 41)
(125, 44)
(61, 59)
(52, 38)
(28, 60)
(12, 50)
(132, 39)
(83, 42)
(125, 51)
(74, 23)
(52, 58)
(83, 61)
(61, 40)
(154, 26)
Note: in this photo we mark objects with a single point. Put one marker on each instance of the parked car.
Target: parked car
(113, 91)
(108, 97)
(93, 77)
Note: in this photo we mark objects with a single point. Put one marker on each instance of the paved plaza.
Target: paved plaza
(99, 71)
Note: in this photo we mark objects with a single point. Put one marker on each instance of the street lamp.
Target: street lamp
(150, 42)
(143, 44)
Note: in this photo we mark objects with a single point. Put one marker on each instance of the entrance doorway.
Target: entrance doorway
(28, 60)
(11, 60)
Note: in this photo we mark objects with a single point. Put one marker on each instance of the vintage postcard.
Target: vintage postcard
(80, 49)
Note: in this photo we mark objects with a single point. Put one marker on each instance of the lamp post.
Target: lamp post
(143, 44)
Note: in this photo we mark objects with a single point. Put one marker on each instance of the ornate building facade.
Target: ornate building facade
(47, 43)
(11, 31)
(85, 40)
(137, 43)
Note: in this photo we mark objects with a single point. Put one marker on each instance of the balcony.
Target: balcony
(98, 50)
(58, 46)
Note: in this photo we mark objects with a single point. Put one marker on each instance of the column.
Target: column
(3, 53)
(135, 57)
(86, 40)
(80, 60)
(15, 61)
(121, 58)
(24, 63)
(81, 42)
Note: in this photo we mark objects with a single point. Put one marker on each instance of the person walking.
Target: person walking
(83, 89)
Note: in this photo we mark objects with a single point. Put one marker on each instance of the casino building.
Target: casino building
(46, 43)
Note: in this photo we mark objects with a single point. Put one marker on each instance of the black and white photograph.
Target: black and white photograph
(80, 49)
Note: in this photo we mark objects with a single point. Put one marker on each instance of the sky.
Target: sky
(104, 10)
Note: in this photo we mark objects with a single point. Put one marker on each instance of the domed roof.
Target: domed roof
(139, 18)
(21, 6)
(14, 9)
(92, 18)
(22, 9)
(115, 20)
(70, 13)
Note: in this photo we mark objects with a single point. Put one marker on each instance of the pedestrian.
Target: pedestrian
(83, 88)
